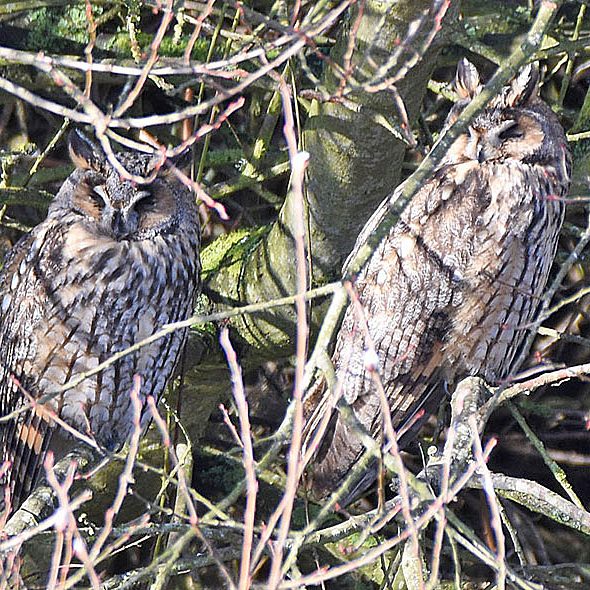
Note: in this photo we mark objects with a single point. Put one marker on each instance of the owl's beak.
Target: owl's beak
(115, 221)
(481, 153)
(486, 151)
(479, 147)
(118, 223)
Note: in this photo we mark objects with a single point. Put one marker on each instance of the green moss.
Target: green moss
(55, 28)
(229, 249)
(58, 26)
(217, 477)
(121, 43)
(223, 157)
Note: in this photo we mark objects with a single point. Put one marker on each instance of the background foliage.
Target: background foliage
(363, 88)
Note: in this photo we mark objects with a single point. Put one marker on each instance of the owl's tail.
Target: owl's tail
(335, 463)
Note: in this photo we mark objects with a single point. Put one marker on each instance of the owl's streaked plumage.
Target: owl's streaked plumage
(113, 263)
(452, 289)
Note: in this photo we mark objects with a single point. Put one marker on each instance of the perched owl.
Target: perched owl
(452, 289)
(113, 263)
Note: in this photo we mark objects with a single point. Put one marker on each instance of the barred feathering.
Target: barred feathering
(451, 291)
(112, 264)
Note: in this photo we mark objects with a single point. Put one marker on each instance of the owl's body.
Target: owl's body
(111, 265)
(454, 287)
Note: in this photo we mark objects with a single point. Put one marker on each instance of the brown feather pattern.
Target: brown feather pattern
(102, 272)
(453, 287)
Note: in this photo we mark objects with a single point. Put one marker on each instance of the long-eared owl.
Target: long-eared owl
(452, 289)
(112, 263)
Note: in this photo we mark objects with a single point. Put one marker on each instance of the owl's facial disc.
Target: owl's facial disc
(126, 217)
(523, 138)
(88, 200)
(490, 139)
(123, 211)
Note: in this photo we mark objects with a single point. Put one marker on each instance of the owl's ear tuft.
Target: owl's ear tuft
(523, 87)
(83, 152)
(467, 83)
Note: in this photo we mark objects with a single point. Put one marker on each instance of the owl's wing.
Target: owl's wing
(405, 291)
(437, 190)
(23, 439)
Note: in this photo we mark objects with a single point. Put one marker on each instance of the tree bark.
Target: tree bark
(355, 162)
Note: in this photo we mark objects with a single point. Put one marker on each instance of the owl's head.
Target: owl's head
(515, 125)
(117, 207)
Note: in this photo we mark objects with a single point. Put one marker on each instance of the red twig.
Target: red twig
(294, 468)
(248, 452)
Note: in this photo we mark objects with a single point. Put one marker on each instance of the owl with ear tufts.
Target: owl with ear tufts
(452, 290)
(113, 262)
